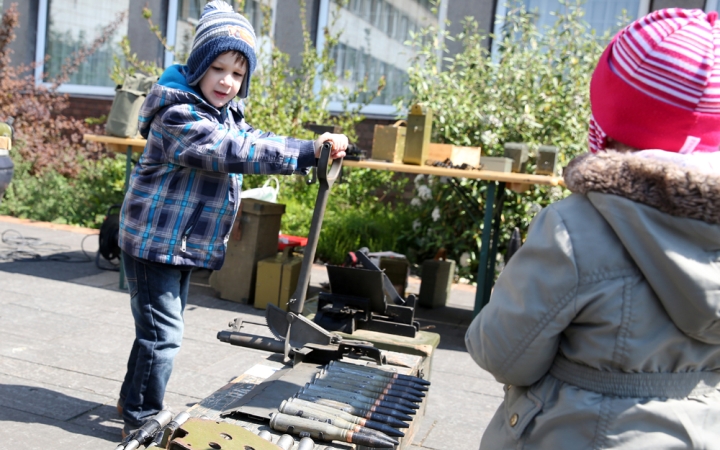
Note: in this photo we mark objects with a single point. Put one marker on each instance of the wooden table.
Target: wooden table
(497, 182)
(120, 145)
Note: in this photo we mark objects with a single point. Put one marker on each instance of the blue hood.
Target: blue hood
(172, 88)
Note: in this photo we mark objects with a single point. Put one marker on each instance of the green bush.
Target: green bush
(358, 213)
(53, 197)
(535, 89)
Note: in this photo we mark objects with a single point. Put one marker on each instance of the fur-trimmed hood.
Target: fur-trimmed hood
(663, 185)
(668, 219)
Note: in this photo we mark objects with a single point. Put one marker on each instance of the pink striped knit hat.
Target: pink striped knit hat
(657, 85)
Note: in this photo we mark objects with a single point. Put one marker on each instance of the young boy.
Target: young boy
(184, 192)
(605, 325)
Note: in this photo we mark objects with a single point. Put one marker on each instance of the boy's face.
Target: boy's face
(222, 81)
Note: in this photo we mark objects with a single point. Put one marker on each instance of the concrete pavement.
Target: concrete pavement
(66, 331)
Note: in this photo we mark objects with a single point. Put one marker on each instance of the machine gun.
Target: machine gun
(365, 298)
(298, 336)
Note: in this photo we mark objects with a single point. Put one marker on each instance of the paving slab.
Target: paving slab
(66, 331)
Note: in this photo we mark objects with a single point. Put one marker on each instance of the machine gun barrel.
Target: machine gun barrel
(148, 429)
(168, 429)
(267, 344)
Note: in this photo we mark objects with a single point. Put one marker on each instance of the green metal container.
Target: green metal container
(437, 277)
(417, 136)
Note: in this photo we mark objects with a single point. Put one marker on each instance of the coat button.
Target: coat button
(513, 420)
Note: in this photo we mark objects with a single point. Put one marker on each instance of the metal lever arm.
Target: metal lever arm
(326, 179)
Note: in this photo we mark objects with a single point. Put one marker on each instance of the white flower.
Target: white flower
(416, 224)
(556, 193)
(419, 179)
(489, 138)
(534, 209)
(494, 121)
(578, 100)
(464, 259)
(424, 192)
(415, 202)
(436, 214)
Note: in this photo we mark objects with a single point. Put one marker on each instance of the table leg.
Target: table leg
(128, 169)
(492, 258)
(484, 248)
(489, 244)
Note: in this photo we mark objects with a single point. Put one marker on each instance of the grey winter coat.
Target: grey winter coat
(605, 325)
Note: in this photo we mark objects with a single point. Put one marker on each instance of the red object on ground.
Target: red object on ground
(285, 240)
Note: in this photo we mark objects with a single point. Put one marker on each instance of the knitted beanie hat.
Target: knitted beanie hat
(657, 85)
(220, 30)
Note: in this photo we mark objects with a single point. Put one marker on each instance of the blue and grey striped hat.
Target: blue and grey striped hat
(220, 30)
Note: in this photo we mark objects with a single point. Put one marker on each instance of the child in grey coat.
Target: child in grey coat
(605, 325)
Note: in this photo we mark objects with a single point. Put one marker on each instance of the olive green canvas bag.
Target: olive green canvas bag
(129, 97)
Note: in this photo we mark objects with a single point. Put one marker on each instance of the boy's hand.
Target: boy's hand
(339, 144)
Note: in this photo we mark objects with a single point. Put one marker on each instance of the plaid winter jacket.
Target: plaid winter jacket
(184, 191)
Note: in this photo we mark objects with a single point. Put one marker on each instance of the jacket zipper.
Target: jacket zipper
(191, 224)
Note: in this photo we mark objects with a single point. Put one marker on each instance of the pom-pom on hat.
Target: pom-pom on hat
(220, 30)
(657, 85)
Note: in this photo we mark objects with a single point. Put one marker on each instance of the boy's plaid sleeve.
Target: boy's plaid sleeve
(191, 139)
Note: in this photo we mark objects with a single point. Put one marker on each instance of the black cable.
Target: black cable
(31, 249)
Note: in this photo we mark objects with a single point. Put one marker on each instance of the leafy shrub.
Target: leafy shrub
(534, 90)
(44, 136)
(57, 177)
(357, 213)
(53, 197)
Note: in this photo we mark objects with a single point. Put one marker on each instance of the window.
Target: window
(187, 13)
(65, 26)
(602, 15)
(372, 45)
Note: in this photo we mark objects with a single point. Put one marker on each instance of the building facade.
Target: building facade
(373, 35)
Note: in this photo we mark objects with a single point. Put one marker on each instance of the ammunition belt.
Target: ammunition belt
(620, 384)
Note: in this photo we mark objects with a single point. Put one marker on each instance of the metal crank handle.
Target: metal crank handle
(326, 178)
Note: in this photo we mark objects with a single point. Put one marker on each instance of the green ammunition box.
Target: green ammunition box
(496, 163)
(437, 277)
(547, 160)
(389, 142)
(254, 237)
(397, 270)
(519, 154)
(417, 139)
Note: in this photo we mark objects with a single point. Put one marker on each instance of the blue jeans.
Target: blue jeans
(158, 294)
